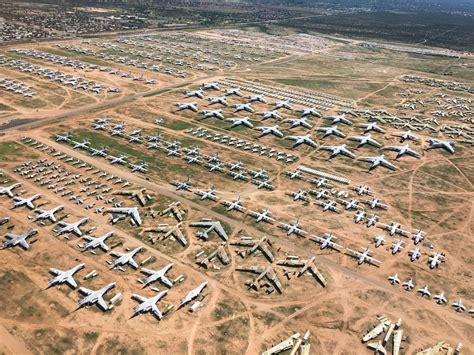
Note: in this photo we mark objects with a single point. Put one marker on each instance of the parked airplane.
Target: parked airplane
(7, 190)
(393, 228)
(402, 150)
(209, 194)
(132, 212)
(339, 119)
(310, 111)
(407, 135)
(213, 113)
(327, 241)
(270, 114)
(306, 139)
(338, 149)
(63, 138)
(143, 167)
(81, 145)
(234, 205)
(293, 228)
(64, 276)
(233, 91)
(435, 260)
(210, 86)
(71, 227)
(269, 130)
(333, 130)
(94, 242)
(14, 240)
(397, 246)
(28, 202)
(49, 214)
(375, 203)
(92, 297)
(440, 298)
(183, 185)
(125, 258)
(244, 107)
(299, 122)
(209, 227)
(359, 216)
(378, 161)
(371, 127)
(414, 254)
(364, 257)
(299, 195)
(418, 236)
(191, 295)
(424, 291)
(157, 275)
(254, 244)
(188, 106)
(438, 143)
(244, 121)
(459, 306)
(256, 98)
(99, 152)
(264, 216)
(394, 279)
(148, 305)
(363, 140)
(197, 93)
(408, 285)
(379, 240)
(121, 159)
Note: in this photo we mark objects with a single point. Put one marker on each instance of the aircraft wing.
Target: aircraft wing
(23, 244)
(166, 281)
(71, 282)
(147, 271)
(102, 305)
(156, 311)
(133, 263)
(387, 164)
(85, 291)
(373, 261)
(221, 231)
(55, 271)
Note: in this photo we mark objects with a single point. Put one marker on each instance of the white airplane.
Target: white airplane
(306, 139)
(339, 119)
(321, 194)
(338, 149)
(238, 165)
(418, 237)
(157, 275)
(49, 214)
(28, 202)
(372, 220)
(187, 106)
(378, 161)
(264, 216)
(438, 143)
(234, 205)
(213, 113)
(407, 135)
(217, 100)
(63, 138)
(394, 279)
(393, 228)
(210, 86)
(192, 294)
(435, 260)
(125, 258)
(459, 306)
(371, 127)
(327, 241)
(295, 174)
(270, 114)
(143, 167)
(424, 291)
(14, 240)
(397, 246)
(310, 111)
(299, 195)
(233, 91)
(379, 240)
(121, 159)
(209, 194)
(282, 104)
(99, 152)
(71, 227)
(362, 190)
(293, 228)
(256, 98)
(359, 216)
(299, 122)
(92, 297)
(148, 305)
(64, 276)
(269, 130)
(402, 150)
(7, 190)
(333, 130)
(244, 121)
(414, 254)
(244, 107)
(81, 145)
(132, 212)
(375, 203)
(197, 93)
(352, 204)
(440, 298)
(408, 285)
(94, 242)
(183, 185)
(363, 140)
(364, 257)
